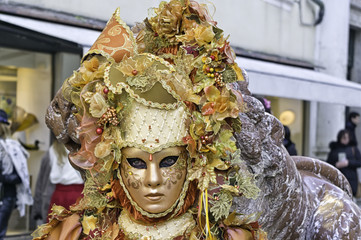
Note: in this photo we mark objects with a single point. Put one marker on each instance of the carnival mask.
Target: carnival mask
(154, 181)
(160, 110)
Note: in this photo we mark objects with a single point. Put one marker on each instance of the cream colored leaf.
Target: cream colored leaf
(88, 223)
(98, 105)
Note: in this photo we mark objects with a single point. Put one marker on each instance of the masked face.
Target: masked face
(154, 181)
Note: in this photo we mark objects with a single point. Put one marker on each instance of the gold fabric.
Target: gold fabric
(69, 229)
(116, 40)
(152, 129)
(168, 230)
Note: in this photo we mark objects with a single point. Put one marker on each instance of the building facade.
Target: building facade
(304, 56)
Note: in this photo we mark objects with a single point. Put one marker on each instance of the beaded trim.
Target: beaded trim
(179, 203)
(180, 226)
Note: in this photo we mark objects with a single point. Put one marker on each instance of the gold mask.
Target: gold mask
(154, 181)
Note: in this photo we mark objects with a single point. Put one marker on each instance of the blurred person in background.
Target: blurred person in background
(266, 104)
(44, 189)
(68, 181)
(346, 158)
(287, 142)
(14, 176)
(351, 124)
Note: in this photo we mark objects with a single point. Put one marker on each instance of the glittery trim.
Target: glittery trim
(120, 86)
(168, 230)
(126, 27)
(99, 52)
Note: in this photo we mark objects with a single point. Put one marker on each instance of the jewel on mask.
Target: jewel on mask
(150, 157)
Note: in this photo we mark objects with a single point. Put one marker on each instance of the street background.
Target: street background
(303, 56)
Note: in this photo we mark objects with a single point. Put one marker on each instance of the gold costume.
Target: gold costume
(157, 112)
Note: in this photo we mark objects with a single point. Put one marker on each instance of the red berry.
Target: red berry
(135, 72)
(99, 130)
(213, 57)
(105, 90)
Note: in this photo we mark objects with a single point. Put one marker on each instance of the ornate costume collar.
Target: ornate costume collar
(167, 230)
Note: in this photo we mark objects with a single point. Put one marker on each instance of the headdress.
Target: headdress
(169, 86)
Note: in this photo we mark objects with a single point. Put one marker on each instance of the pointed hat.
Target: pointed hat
(116, 40)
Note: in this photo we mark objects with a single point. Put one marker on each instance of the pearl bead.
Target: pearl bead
(99, 131)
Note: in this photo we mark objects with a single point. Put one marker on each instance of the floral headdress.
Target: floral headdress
(179, 64)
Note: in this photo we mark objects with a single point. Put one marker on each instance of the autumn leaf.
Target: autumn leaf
(88, 223)
(219, 164)
(230, 188)
(204, 175)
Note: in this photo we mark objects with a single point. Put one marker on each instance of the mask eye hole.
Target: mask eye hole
(168, 161)
(137, 163)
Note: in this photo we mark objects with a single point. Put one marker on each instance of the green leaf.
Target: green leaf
(229, 75)
(225, 142)
(246, 185)
(235, 157)
(194, 17)
(217, 127)
(117, 153)
(110, 96)
(221, 207)
(217, 32)
(236, 124)
(202, 81)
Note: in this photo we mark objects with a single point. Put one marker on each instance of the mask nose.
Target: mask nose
(153, 178)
